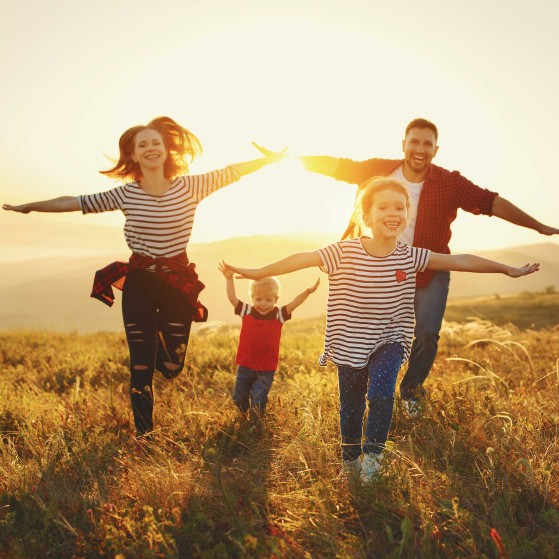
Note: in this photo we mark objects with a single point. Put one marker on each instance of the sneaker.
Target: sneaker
(412, 407)
(371, 466)
(351, 468)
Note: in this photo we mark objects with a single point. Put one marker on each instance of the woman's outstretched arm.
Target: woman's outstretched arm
(289, 264)
(57, 205)
(471, 263)
(247, 167)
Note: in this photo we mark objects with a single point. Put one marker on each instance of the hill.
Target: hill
(53, 293)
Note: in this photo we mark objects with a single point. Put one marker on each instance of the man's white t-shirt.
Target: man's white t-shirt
(414, 190)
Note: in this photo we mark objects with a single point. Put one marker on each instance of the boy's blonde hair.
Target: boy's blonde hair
(265, 283)
(364, 201)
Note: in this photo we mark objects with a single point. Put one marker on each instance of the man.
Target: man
(436, 195)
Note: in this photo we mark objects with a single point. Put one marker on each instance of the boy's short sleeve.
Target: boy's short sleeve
(331, 257)
(242, 309)
(284, 315)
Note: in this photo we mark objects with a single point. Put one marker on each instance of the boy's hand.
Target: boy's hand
(524, 271)
(225, 270)
(314, 287)
(243, 273)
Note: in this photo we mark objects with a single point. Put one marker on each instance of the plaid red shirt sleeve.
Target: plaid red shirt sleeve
(176, 271)
(444, 192)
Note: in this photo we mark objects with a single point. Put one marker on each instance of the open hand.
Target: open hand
(243, 273)
(23, 208)
(524, 270)
(273, 156)
(314, 287)
(227, 272)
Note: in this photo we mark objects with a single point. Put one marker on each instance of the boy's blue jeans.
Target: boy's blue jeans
(251, 390)
(430, 304)
(376, 383)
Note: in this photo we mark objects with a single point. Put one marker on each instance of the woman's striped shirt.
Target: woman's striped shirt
(370, 300)
(159, 226)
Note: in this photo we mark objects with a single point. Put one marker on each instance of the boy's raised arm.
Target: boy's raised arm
(472, 263)
(301, 298)
(231, 294)
(291, 263)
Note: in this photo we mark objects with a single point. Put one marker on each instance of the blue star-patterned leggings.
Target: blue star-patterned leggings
(375, 383)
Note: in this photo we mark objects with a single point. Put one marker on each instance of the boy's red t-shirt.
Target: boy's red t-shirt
(260, 337)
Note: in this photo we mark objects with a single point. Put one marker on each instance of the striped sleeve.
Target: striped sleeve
(102, 201)
(420, 258)
(283, 315)
(203, 185)
(331, 257)
(242, 309)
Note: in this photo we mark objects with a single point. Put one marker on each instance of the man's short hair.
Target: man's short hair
(422, 123)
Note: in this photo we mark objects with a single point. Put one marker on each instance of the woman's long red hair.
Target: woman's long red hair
(179, 142)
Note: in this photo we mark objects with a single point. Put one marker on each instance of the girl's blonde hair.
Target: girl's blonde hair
(364, 201)
(265, 283)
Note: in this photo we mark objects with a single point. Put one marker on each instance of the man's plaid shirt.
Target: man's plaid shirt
(443, 193)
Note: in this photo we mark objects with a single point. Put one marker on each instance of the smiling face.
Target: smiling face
(149, 149)
(387, 216)
(264, 299)
(419, 147)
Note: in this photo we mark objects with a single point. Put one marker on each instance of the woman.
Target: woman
(160, 286)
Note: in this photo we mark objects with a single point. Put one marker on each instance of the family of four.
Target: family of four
(388, 276)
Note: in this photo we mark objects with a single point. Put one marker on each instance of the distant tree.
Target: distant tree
(549, 289)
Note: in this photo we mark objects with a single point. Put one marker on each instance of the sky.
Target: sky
(329, 77)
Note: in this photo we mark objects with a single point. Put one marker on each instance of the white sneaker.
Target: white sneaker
(351, 468)
(371, 466)
(412, 407)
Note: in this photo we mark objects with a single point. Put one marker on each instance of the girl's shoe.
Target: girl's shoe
(351, 468)
(371, 466)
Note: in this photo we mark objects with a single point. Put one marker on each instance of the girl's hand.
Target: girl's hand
(224, 270)
(23, 208)
(243, 273)
(524, 271)
(273, 156)
(314, 287)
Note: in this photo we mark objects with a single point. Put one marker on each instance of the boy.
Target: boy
(259, 341)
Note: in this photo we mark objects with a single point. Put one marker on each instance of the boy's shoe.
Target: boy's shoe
(371, 466)
(351, 468)
(412, 407)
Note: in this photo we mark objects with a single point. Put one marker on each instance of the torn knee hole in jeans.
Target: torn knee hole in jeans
(171, 366)
(140, 367)
(146, 389)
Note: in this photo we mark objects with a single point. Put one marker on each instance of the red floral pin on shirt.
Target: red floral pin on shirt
(401, 275)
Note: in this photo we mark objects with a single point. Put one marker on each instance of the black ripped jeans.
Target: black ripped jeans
(157, 321)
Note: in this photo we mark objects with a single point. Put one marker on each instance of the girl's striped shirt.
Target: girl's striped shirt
(159, 226)
(370, 300)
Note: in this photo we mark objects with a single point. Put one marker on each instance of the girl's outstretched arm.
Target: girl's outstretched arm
(57, 205)
(471, 263)
(289, 264)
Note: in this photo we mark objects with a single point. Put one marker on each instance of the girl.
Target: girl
(370, 316)
(160, 294)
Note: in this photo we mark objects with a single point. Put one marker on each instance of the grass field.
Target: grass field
(475, 476)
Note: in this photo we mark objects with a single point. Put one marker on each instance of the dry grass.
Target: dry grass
(74, 483)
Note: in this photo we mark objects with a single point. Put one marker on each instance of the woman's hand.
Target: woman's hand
(23, 208)
(273, 156)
